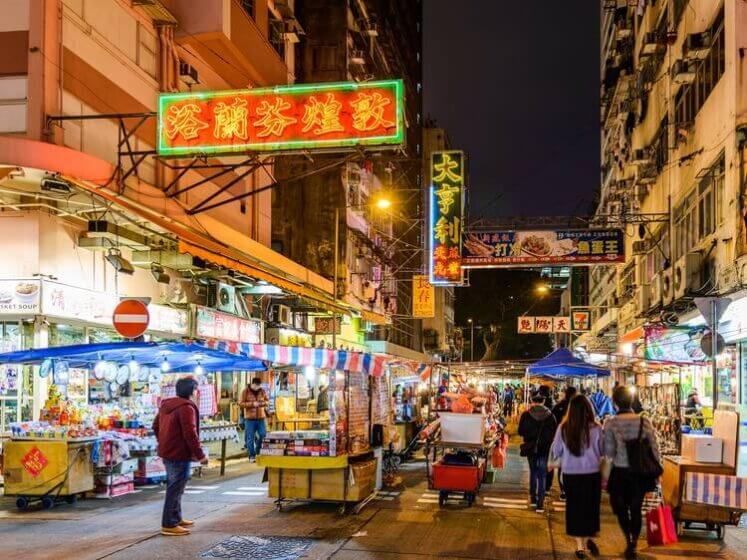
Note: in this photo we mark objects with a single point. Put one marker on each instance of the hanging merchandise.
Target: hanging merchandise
(99, 369)
(110, 372)
(46, 367)
(123, 375)
(61, 373)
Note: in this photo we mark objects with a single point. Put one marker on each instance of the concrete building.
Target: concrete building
(674, 123)
(360, 40)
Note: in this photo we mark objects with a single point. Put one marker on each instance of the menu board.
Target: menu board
(381, 403)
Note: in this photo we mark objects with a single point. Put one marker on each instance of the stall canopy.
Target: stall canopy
(181, 357)
(562, 363)
(296, 356)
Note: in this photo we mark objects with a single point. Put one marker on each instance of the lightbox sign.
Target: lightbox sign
(559, 247)
(446, 217)
(282, 118)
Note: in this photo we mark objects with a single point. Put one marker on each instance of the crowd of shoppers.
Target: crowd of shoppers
(568, 436)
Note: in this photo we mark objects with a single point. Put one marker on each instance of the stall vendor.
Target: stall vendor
(254, 403)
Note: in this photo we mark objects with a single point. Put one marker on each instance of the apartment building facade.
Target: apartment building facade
(673, 129)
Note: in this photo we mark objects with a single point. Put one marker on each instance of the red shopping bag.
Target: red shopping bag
(499, 457)
(660, 528)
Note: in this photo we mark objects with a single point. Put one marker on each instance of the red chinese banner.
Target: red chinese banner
(284, 118)
(34, 462)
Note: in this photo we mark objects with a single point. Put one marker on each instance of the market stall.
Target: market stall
(135, 376)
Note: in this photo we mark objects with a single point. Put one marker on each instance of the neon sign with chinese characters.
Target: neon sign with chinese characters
(446, 217)
(283, 118)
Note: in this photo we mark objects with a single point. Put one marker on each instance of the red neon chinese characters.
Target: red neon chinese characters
(183, 122)
(369, 111)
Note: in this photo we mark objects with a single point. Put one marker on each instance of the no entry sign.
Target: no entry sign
(131, 318)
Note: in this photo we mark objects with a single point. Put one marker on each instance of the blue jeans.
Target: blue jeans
(537, 478)
(255, 432)
(177, 475)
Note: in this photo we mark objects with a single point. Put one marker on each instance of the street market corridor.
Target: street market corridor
(235, 519)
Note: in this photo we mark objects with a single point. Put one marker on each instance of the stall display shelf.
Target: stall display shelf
(291, 462)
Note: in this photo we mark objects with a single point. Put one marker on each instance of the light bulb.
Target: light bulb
(165, 366)
(199, 370)
(309, 373)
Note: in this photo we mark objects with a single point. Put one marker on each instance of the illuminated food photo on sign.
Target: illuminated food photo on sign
(283, 118)
(446, 218)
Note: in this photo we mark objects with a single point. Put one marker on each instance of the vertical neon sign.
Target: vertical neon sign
(446, 217)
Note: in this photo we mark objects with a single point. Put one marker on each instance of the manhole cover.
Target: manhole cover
(240, 547)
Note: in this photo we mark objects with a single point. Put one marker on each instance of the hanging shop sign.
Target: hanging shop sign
(327, 325)
(423, 297)
(209, 323)
(283, 118)
(446, 218)
(130, 318)
(543, 325)
(289, 337)
(20, 297)
(580, 320)
(674, 344)
(561, 247)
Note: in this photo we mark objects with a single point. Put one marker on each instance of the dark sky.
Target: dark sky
(516, 85)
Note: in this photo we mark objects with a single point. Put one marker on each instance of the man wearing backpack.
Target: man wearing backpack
(537, 427)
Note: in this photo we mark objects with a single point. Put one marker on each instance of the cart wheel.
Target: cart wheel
(442, 496)
(72, 499)
(47, 502)
(720, 531)
(341, 509)
(470, 498)
(22, 503)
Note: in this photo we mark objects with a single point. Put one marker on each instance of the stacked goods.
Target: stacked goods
(358, 420)
(113, 485)
(311, 443)
(114, 470)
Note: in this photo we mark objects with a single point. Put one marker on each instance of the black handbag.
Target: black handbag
(641, 456)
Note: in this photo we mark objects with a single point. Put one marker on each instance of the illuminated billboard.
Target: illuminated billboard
(446, 218)
(282, 118)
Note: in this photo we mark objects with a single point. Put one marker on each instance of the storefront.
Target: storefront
(350, 332)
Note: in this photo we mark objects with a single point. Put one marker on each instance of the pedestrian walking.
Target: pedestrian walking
(558, 412)
(178, 433)
(508, 401)
(579, 446)
(626, 488)
(254, 402)
(537, 427)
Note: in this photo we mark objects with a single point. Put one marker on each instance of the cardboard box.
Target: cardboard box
(702, 448)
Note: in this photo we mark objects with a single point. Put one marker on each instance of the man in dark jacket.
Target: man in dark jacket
(178, 434)
(537, 426)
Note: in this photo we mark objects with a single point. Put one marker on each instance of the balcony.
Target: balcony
(237, 45)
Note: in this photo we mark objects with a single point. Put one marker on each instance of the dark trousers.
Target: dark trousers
(626, 492)
(537, 478)
(254, 432)
(177, 475)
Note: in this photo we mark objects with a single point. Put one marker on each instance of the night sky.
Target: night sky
(516, 85)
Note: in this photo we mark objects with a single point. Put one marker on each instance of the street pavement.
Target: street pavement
(402, 524)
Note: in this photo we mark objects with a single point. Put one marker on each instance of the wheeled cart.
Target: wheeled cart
(48, 470)
(449, 479)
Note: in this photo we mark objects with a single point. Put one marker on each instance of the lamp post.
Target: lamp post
(382, 203)
(471, 339)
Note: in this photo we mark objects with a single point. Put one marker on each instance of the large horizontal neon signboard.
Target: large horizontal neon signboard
(446, 218)
(283, 118)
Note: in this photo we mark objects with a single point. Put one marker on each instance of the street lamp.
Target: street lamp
(382, 203)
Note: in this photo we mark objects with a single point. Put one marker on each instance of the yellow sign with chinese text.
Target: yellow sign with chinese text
(423, 297)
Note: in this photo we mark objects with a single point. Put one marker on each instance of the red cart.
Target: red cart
(456, 479)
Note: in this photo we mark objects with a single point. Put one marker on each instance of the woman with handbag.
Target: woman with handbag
(579, 448)
(630, 442)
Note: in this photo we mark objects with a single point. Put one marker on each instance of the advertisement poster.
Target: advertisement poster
(222, 326)
(674, 344)
(282, 118)
(446, 220)
(423, 297)
(558, 247)
(20, 297)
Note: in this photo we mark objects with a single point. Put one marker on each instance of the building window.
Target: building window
(248, 7)
(277, 35)
(691, 98)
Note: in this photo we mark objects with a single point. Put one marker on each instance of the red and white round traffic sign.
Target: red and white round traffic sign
(131, 318)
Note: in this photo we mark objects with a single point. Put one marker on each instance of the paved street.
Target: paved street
(405, 525)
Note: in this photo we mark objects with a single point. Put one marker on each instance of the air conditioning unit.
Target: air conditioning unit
(225, 297)
(641, 300)
(358, 57)
(654, 291)
(283, 315)
(686, 275)
(697, 45)
(640, 248)
(667, 287)
(683, 71)
(188, 74)
(640, 156)
(652, 44)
